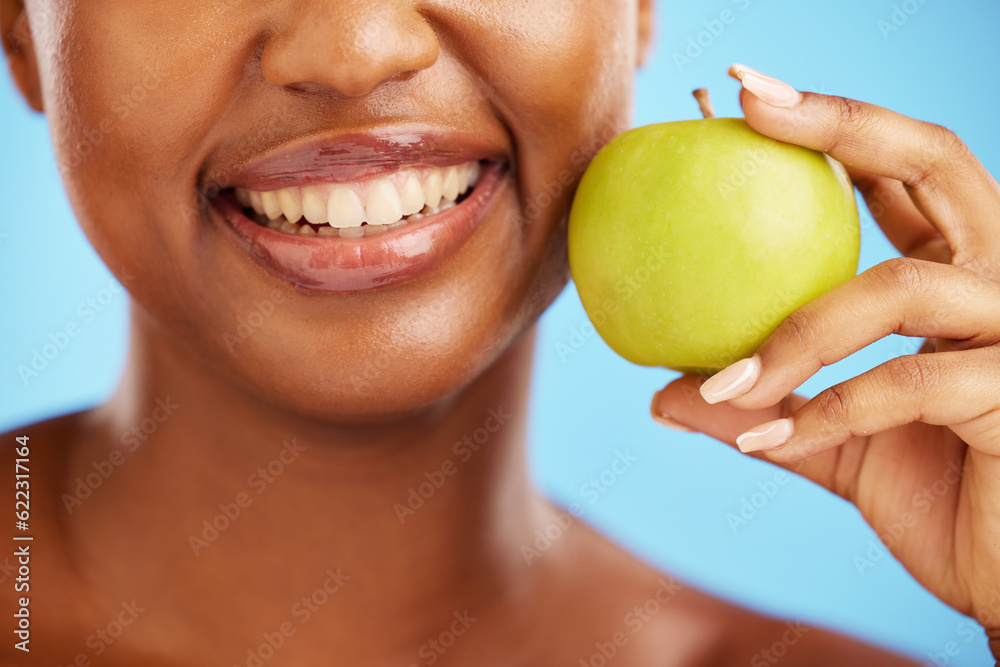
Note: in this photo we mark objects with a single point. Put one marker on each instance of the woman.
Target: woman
(258, 506)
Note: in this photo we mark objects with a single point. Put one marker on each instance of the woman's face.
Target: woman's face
(168, 119)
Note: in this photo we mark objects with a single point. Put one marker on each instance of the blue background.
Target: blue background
(794, 558)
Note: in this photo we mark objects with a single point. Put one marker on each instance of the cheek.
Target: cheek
(561, 72)
(140, 92)
(564, 71)
(131, 90)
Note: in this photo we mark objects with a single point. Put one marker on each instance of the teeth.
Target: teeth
(412, 195)
(255, 202)
(344, 208)
(272, 208)
(291, 205)
(314, 208)
(383, 205)
(450, 187)
(432, 188)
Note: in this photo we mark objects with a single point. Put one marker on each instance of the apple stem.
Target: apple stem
(704, 102)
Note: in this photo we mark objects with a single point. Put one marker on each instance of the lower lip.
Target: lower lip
(334, 264)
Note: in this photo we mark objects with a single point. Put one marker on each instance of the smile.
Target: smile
(363, 213)
(365, 208)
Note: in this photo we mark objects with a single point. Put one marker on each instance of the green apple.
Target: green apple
(689, 242)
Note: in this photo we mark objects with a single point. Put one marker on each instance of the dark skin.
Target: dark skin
(219, 82)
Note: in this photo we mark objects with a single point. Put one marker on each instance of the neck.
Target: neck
(234, 520)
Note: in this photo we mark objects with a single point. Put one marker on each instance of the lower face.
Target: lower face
(345, 251)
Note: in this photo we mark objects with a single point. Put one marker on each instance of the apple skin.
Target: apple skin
(689, 242)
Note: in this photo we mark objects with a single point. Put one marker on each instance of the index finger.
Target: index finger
(949, 185)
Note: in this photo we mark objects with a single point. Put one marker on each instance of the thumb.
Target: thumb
(680, 404)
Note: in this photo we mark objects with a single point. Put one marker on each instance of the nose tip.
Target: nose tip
(349, 47)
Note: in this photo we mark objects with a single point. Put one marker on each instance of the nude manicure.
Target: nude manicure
(770, 90)
(731, 382)
(765, 436)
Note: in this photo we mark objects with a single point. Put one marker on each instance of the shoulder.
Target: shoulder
(36, 456)
(47, 436)
(36, 577)
(620, 607)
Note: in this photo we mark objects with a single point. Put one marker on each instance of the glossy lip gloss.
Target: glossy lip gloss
(337, 264)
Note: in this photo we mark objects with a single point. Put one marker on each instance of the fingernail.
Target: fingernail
(773, 91)
(663, 419)
(731, 382)
(765, 436)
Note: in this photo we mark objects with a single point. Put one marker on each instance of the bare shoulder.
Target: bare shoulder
(36, 581)
(36, 456)
(621, 608)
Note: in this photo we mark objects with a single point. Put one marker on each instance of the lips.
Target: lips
(363, 212)
(340, 208)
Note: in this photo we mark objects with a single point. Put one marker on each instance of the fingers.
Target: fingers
(903, 223)
(956, 389)
(681, 403)
(949, 185)
(903, 296)
(681, 406)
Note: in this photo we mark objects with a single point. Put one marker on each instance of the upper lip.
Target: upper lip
(353, 157)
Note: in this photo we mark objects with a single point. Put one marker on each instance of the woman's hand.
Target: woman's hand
(915, 442)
